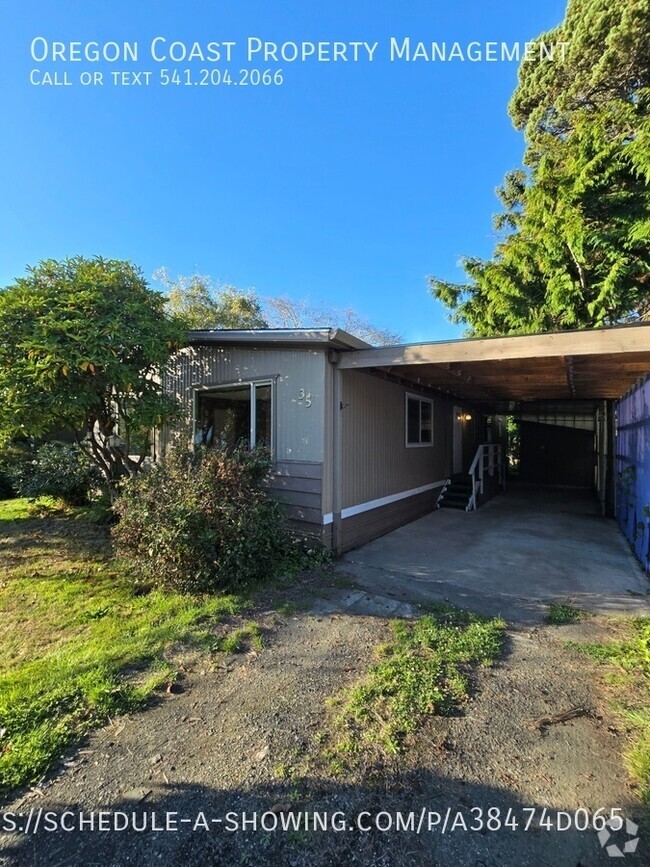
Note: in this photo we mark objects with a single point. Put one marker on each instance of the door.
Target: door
(457, 442)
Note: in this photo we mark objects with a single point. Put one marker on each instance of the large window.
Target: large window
(419, 421)
(238, 415)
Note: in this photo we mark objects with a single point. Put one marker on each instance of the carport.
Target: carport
(569, 374)
(537, 542)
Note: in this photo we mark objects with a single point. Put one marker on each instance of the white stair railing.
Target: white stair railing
(488, 458)
(441, 495)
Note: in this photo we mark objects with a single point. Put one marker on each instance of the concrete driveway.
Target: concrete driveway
(513, 556)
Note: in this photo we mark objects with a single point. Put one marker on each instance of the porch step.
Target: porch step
(457, 495)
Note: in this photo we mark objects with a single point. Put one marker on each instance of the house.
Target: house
(366, 439)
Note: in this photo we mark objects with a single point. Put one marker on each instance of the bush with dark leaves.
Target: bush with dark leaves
(204, 522)
(59, 470)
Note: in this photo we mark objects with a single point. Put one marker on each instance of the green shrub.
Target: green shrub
(7, 491)
(12, 457)
(203, 522)
(57, 470)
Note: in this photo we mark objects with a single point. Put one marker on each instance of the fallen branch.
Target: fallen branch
(572, 713)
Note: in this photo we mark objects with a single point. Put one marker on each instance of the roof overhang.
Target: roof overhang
(331, 338)
(594, 364)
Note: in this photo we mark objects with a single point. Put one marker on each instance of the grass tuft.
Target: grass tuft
(424, 670)
(561, 613)
(244, 637)
(631, 659)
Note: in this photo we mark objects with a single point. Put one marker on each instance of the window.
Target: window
(238, 415)
(419, 421)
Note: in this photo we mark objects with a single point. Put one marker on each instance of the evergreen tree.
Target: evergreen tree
(574, 250)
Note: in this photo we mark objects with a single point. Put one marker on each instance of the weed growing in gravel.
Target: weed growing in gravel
(631, 656)
(423, 670)
(341, 582)
(291, 607)
(561, 613)
(248, 635)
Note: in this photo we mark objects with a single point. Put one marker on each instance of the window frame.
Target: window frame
(225, 386)
(421, 399)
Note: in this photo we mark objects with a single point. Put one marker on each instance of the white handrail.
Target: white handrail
(493, 452)
(441, 495)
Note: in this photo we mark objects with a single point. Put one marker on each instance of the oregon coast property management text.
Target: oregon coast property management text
(162, 50)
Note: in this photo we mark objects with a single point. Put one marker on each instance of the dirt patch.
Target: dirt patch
(243, 737)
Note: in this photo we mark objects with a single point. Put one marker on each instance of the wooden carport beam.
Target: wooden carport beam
(598, 341)
(478, 387)
(568, 362)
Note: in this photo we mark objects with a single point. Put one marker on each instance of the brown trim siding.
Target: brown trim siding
(290, 483)
(326, 536)
(376, 522)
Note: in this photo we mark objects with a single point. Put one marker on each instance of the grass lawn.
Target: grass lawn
(79, 642)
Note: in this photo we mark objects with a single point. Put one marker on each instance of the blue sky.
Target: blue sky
(346, 185)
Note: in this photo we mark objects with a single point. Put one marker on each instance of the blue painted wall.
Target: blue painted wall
(633, 470)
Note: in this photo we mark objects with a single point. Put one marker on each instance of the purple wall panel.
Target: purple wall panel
(633, 470)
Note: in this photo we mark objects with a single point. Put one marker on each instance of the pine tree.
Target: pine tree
(575, 231)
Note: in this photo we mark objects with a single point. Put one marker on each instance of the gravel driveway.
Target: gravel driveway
(242, 737)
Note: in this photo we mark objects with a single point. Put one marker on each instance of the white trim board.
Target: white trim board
(383, 501)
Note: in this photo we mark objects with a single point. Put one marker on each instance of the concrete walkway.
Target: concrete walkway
(513, 556)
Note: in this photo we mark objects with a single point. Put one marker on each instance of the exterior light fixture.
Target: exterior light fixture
(464, 416)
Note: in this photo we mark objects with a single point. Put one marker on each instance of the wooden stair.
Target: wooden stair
(458, 492)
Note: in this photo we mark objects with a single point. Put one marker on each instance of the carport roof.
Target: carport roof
(601, 363)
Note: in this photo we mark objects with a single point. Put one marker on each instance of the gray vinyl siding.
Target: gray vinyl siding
(298, 429)
(376, 461)
(298, 486)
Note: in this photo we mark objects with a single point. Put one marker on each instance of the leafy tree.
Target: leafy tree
(574, 249)
(202, 304)
(82, 342)
(283, 312)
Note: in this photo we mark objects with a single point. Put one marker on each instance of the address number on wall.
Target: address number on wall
(304, 397)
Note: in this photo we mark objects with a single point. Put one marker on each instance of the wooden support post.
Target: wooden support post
(610, 460)
(337, 458)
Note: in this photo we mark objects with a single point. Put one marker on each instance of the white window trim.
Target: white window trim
(421, 399)
(251, 383)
